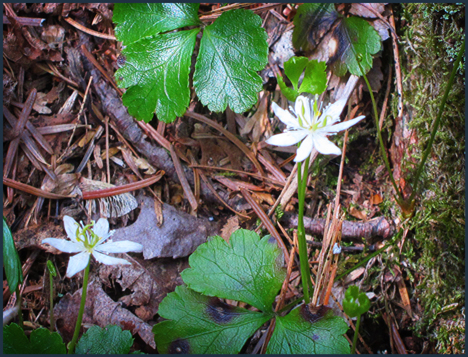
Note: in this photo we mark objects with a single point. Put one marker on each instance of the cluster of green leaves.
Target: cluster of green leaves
(354, 38)
(108, 340)
(158, 59)
(315, 77)
(250, 270)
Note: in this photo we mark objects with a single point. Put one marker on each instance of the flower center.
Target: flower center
(86, 236)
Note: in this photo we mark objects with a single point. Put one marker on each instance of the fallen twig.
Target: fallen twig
(376, 229)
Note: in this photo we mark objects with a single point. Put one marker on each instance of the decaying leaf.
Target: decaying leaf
(230, 227)
(178, 236)
(148, 281)
(100, 310)
(363, 11)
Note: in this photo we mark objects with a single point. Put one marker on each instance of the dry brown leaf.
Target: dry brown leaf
(143, 164)
(353, 211)
(230, 227)
(376, 199)
(148, 281)
(100, 310)
(178, 236)
(359, 10)
(264, 197)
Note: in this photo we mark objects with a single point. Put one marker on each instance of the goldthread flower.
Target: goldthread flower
(309, 124)
(89, 240)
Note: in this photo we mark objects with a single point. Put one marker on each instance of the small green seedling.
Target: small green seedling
(355, 304)
(314, 81)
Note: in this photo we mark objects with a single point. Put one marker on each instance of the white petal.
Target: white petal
(105, 259)
(110, 234)
(101, 228)
(335, 109)
(285, 116)
(77, 263)
(304, 150)
(303, 110)
(119, 247)
(287, 139)
(63, 245)
(70, 227)
(344, 125)
(325, 146)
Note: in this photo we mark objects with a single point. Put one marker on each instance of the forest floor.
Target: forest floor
(83, 140)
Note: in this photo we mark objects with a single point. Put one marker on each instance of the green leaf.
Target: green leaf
(290, 93)
(247, 269)
(354, 37)
(315, 78)
(200, 324)
(11, 261)
(355, 302)
(304, 332)
(293, 68)
(135, 21)
(232, 49)
(314, 81)
(311, 22)
(42, 341)
(364, 41)
(157, 72)
(108, 340)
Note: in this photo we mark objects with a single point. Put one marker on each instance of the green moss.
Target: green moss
(436, 244)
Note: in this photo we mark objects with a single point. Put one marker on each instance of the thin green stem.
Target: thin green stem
(52, 322)
(303, 257)
(71, 345)
(379, 134)
(356, 333)
(20, 311)
(437, 121)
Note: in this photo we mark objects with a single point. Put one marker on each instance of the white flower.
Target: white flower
(87, 241)
(307, 122)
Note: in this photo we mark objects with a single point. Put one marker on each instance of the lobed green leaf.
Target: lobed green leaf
(304, 332)
(200, 324)
(232, 49)
(41, 341)
(108, 340)
(157, 72)
(135, 21)
(247, 269)
(364, 41)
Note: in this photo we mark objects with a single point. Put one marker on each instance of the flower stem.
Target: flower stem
(52, 322)
(20, 312)
(71, 345)
(379, 134)
(356, 333)
(303, 258)
(437, 121)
